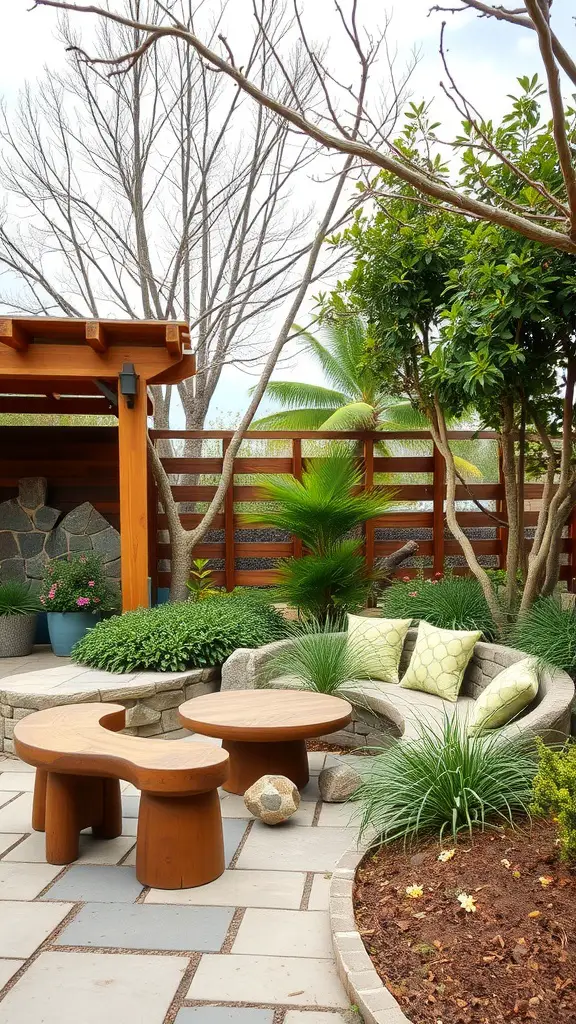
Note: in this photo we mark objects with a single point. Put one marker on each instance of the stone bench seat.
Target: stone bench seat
(80, 756)
(385, 711)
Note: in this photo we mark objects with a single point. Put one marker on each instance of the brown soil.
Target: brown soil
(514, 959)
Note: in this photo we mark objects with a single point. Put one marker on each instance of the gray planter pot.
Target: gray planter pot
(17, 635)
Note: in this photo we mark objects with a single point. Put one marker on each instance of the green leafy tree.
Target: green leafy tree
(491, 329)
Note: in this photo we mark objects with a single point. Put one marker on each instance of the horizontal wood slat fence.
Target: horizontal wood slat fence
(243, 555)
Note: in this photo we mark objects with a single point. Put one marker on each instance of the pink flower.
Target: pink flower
(434, 581)
(438, 575)
(414, 593)
(406, 579)
(42, 599)
(96, 600)
(91, 583)
(82, 601)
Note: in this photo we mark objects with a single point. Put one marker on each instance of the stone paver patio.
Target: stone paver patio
(88, 944)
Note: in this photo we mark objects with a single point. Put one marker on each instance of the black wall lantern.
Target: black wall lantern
(128, 383)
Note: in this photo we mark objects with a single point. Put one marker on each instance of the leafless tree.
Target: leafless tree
(159, 193)
(325, 124)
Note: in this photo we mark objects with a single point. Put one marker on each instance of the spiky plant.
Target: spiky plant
(548, 632)
(449, 602)
(17, 599)
(445, 782)
(321, 509)
(319, 656)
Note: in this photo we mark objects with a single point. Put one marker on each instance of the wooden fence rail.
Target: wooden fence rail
(244, 555)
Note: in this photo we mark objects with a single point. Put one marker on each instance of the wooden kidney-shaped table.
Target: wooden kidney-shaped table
(264, 730)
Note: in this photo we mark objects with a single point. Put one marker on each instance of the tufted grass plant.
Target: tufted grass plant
(548, 632)
(319, 657)
(445, 782)
(174, 637)
(17, 599)
(449, 602)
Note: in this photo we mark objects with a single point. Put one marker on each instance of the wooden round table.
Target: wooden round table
(264, 730)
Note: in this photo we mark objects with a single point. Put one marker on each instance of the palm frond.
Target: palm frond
(467, 469)
(293, 419)
(334, 370)
(354, 416)
(321, 584)
(297, 395)
(400, 415)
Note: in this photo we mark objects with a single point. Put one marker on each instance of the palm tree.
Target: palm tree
(356, 400)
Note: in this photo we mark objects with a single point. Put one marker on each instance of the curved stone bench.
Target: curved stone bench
(151, 699)
(390, 712)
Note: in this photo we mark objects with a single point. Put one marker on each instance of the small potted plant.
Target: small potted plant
(75, 592)
(18, 613)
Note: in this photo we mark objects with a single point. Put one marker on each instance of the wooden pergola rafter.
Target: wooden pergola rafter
(73, 366)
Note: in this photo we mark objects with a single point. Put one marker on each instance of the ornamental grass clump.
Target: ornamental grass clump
(319, 656)
(77, 583)
(555, 794)
(17, 599)
(548, 632)
(174, 637)
(445, 782)
(446, 601)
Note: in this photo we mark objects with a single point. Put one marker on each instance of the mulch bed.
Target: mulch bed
(513, 959)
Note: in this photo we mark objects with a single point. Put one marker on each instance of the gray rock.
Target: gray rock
(45, 518)
(107, 544)
(338, 783)
(32, 491)
(8, 545)
(272, 799)
(31, 544)
(79, 543)
(113, 569)
(35, 566)
(57, 543)
(96, 523)
(13, 569)
(77, 520)
(13, 517)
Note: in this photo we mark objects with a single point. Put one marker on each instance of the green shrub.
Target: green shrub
(321, 585)
(319, 656)
(548, 632)
(555, 794)
(449, 602)
(174, 637)
(77, 583)
(444, 782)
(17, 599)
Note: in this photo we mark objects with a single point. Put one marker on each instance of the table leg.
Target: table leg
(180, 842)
(250, 761)
(39, 801)
(109, 826)
(62, 826)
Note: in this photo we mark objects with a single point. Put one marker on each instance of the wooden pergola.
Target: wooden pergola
(99, 367)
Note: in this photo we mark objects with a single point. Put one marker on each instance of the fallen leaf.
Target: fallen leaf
(534, 913)
(403, 925)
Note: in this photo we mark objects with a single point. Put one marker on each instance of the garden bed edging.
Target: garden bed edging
(362, 983)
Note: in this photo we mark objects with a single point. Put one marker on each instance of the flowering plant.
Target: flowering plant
(76, 583)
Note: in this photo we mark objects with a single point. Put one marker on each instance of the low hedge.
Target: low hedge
(174, 637)
(449, 602)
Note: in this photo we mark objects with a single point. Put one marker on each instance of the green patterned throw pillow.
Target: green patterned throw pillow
(439, 660)
(505, 697)
(378, 645)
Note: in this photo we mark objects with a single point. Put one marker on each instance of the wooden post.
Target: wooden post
(229, 540)
(502, 512)
(152, 538)
(297, 473)
(369, 528)
(438, 495)
(132, 428)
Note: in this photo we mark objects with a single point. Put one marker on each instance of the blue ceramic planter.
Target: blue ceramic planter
(65, 628)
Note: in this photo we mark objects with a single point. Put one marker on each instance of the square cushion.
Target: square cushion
(506, 696)
(378, 645)
(439, 660)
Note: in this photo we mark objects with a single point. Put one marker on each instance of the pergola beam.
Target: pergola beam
(96, 336)
(13, 335)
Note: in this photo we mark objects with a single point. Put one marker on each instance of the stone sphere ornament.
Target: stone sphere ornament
(272, 799)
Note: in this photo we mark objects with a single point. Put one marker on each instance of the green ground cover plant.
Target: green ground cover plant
(173, 637)
(548, 632)
(447, 601)
(444, 782)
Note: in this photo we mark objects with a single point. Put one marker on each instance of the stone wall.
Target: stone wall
(151, 699)
(31, 533)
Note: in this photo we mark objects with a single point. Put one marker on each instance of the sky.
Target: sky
(485, 59)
